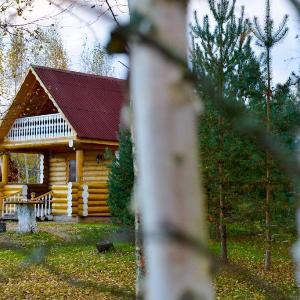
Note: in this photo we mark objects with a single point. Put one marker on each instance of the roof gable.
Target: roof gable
(90, 103)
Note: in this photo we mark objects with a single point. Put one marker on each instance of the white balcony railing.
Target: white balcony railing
(40, 127)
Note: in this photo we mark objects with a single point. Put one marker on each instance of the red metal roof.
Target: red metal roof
(91, 103)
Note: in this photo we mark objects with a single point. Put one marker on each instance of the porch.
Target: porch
(72, 183)
(71, 200)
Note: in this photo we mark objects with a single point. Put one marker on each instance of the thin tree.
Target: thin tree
(267, 38)
(17, 58)
(217, 54)
(96, 60)
(48, 50)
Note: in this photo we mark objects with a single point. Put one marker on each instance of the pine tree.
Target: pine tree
(267, 38)
(222, 54)
(121, 180)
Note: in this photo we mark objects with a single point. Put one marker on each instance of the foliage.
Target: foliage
(48, 50)
(17, 58)
(243, 161)
(96, 60)
(268, 38)
(27, 167)
(223, 54)
(120, 181)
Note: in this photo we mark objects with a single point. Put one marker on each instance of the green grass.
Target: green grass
(61, 262)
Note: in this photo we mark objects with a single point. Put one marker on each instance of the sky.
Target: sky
(80, 22)
(286, 52)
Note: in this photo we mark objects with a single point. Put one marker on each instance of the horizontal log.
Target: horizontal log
(11, 190)
(94, 168)
(56, 159)
(60, 193)
(58, 187)
(100, 209)
(53, 172)
(13, 186)
(88, 179)
(88, 163)
(54, 175)
(59, 206)
(59, 200)
(95, 174)
(56, 212)
(99, 215)
(58, 182)
(98, 191)
(61, 167)
(97, 197)
(94, 203)
(96, 185)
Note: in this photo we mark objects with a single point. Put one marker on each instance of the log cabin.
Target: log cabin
(69, 119)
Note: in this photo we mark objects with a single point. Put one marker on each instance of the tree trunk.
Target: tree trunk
(222, 226)
(26, 169)
(268, 234)
(139, 258)
(296, 248)
(167, 157)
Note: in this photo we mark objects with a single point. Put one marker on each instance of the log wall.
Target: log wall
(68, 198)
(1, 195)
(60, 199)
(94, 203)
(58, 170)
(94, 171)
(73, 192)
(9, 189)
(95, 176)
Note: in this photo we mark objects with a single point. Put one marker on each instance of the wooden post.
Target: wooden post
(85, 200)
(69, 199)
(42, 176)
(79, 165)
(5, 159)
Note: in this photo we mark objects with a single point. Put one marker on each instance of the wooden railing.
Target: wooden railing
(40, 127)
(42, 204)
(43, 207)
(9, 206)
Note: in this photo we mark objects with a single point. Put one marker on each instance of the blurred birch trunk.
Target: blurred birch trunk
(169, 184)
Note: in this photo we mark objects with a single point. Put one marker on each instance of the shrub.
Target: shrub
(121, 180)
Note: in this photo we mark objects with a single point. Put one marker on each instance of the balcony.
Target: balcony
(39, 127)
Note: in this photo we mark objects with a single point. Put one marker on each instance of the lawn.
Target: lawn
(62, 262)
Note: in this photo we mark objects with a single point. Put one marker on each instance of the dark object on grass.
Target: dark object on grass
(104, 246)
(2, 226)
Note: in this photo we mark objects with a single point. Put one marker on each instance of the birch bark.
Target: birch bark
(166, 149)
